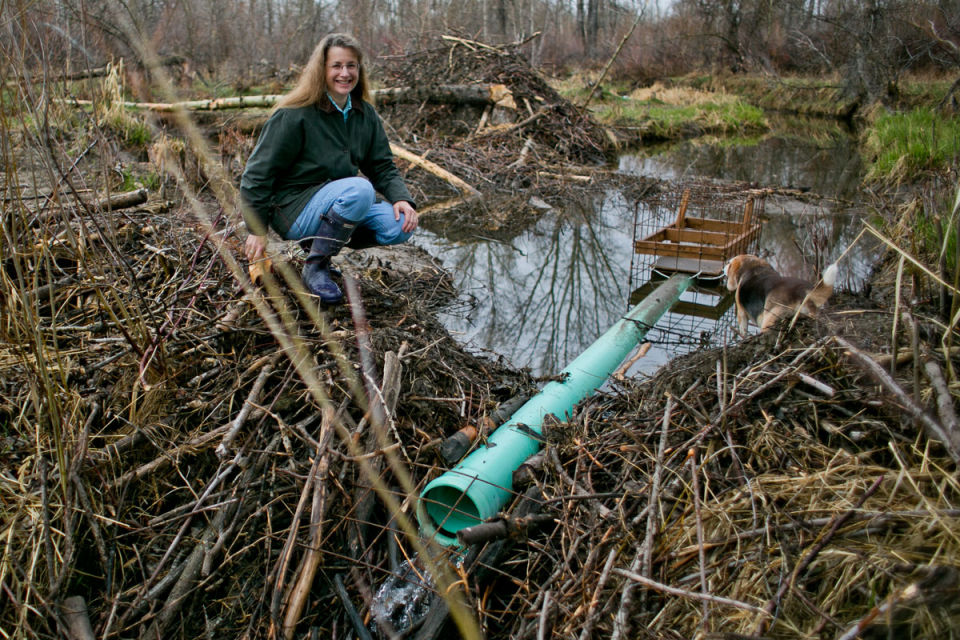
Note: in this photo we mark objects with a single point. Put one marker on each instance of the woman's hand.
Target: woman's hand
(255, 247)
(409, 213)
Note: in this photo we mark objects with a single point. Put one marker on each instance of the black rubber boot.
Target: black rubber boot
(306, 243)
(333, 233)
(363, 238)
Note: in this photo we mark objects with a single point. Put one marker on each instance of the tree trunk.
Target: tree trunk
(593, 27)
(479, 94)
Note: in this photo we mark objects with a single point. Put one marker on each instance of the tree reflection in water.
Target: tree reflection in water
(548, 293)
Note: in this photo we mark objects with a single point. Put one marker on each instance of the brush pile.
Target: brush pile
(785, 487)
(540, 148)
(548, 120)
(159, 442)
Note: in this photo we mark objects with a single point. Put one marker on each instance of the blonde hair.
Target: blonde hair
(311, 87)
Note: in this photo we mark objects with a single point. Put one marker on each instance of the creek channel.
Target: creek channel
(541, 299)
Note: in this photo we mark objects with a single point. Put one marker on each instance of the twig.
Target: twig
(77, 619)
(948, 416)
(377, 412)
(599, 508)
(693, 595)
(934, 429)
(823, 388)
(504, 527)
(642, 351)
(906, 594)
(223, 449)
(473, 45)
(653, 515)
(308, 568)
(47, 527)
(91, 517)
(610, 62)
(465, 189)
(644, 555)
(491, 131)
(587, 630)
(545, 627)
(695, 480)
(915, 347)
(355, 619)
(192, 567)
(167, 457)
(790, 369)
(524, 152)
(276, 599)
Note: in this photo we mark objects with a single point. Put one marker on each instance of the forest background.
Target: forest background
(226, 46)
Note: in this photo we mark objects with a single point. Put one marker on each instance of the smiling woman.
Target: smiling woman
(302, 179)
(342, 74)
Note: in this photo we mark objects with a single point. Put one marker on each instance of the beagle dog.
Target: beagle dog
(764, 296)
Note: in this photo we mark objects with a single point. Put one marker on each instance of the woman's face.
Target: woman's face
(343, 73)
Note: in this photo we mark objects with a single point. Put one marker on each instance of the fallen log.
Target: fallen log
(213, 104)
(112, 202)
(91, 72)
(116, 201)
(475, 94)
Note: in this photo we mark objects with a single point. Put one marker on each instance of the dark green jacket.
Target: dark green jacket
(300, 150)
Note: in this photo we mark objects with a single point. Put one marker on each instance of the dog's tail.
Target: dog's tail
(824, 289)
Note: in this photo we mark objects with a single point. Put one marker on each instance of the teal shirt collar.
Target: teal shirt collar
(347, 108)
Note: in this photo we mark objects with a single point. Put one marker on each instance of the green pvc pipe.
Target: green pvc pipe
(478, 487)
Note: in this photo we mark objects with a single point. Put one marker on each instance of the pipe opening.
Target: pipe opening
(450, 509)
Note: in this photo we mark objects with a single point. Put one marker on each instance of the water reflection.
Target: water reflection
(540, 299)
(831, 167)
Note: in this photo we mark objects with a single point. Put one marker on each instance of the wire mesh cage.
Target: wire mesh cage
(698, 233)
(694, 230)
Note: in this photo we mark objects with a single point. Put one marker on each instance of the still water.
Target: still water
(541, 299)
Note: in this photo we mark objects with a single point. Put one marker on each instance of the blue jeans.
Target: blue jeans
(355, 200)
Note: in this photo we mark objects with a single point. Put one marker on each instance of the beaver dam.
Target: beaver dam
(187, 454)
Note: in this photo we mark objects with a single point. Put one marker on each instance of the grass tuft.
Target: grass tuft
(906, 144)
(680, 112)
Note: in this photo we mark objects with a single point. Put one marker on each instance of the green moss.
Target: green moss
(902, 146)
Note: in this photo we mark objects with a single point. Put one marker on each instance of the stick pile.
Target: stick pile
(166, 471)
(772, 490)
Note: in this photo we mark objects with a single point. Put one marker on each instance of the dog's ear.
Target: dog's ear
(730, 270)
(727, 265)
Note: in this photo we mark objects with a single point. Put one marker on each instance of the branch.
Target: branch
(440, 172)
(934, 429)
